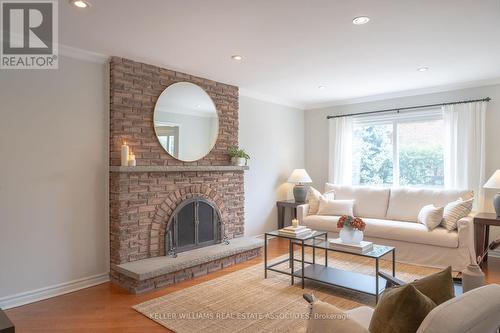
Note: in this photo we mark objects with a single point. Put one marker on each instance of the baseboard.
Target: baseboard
(495, 253)
(52, 291)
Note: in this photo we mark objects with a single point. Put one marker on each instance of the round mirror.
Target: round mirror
(186, 121)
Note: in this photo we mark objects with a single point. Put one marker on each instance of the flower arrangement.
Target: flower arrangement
(352, 222)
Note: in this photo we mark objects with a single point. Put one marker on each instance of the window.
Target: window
(406, 149)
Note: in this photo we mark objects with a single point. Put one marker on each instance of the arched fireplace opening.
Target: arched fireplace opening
(195, 223)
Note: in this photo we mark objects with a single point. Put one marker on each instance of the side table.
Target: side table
(482, 223)
(282, 206)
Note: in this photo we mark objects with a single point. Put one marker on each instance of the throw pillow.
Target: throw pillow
(455, 211)
(400, 310)
(335, 207)
(328, 318)
(438, 286)
(313, 196)
(431, 216)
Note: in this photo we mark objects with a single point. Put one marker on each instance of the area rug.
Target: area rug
(243, 301)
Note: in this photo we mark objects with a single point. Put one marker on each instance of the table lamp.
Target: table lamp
(299, 177)
(494, 182)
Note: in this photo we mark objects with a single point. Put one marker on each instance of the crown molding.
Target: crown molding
(269, 98)
(80, 54)
(406, 93)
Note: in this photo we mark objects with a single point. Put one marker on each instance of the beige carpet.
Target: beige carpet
(244, 301)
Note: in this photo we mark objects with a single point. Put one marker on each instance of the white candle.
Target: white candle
(124, 156)
(295, 223)
(131, 160)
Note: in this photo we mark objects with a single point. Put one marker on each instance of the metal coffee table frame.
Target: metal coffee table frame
(363, 283)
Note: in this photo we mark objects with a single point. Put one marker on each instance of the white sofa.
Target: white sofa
(391, 215)
(475, 311)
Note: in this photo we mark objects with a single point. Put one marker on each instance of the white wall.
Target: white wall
(53, 180)
(316, 129)
(273, 136)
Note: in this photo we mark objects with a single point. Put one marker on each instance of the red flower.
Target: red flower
(354, 222)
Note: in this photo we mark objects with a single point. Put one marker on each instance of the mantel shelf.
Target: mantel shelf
(177, 168)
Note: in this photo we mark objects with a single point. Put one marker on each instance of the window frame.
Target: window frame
(422, 115)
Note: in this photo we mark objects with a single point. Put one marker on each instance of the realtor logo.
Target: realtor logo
(29, 35)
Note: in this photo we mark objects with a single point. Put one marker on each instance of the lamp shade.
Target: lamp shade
(494, 181)
(299, 176)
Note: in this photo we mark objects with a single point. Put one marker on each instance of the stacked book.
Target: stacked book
(299, 231)
(362, 247)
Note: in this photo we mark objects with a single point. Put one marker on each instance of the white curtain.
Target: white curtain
(340, 151)
(464, 156)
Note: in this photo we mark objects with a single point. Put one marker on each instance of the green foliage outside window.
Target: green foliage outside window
(418, 164)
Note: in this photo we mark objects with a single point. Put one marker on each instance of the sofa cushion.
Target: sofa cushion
(455, 211)
(431, 216)
(400, 310)
(406, 203)
(335, 207)
(313, 196)
(388, 229)
(370, 201)
(437, 286)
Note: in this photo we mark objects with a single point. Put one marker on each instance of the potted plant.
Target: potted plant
(238, 156)
(351, 229)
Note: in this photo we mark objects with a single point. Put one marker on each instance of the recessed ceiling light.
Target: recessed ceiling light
(423, 69)
(237, 57)
(321, 87)
(361, 20)
(80, 3)
(198, 106)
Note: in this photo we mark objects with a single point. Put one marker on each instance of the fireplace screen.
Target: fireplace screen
(195, 223)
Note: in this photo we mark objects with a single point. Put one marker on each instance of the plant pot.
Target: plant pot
(238, 161)
(350, 235)
(472, 277)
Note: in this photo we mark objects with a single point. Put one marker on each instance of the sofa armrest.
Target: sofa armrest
(466, 235)
(302, 212)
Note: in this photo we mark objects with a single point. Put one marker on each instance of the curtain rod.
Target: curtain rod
(487, 99)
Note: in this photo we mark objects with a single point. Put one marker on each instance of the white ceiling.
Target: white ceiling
(291, 47)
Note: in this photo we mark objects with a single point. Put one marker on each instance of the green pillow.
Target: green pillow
(400, 310)
(438, 286)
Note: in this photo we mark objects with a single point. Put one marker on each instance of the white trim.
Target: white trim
(495, 253)
(406, 93)
(52, 291)
(269, 98)
(80, 54)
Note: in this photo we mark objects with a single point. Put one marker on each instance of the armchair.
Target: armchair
(473, 312)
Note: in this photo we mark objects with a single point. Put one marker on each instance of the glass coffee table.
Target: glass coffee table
(368, 284)
(292, 240)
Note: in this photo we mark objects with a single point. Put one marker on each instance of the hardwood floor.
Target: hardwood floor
(107, 308)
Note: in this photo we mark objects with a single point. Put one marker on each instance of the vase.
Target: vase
(238, 161)
(350, 235)
(472, 277)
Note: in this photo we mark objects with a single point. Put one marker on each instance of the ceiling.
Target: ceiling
(290, 47)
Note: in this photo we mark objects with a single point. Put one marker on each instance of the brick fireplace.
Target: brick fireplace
(144, 198)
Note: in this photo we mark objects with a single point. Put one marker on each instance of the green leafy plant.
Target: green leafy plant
(236, 152)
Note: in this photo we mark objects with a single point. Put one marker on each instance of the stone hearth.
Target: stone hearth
(147, 274)
(143, 198)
